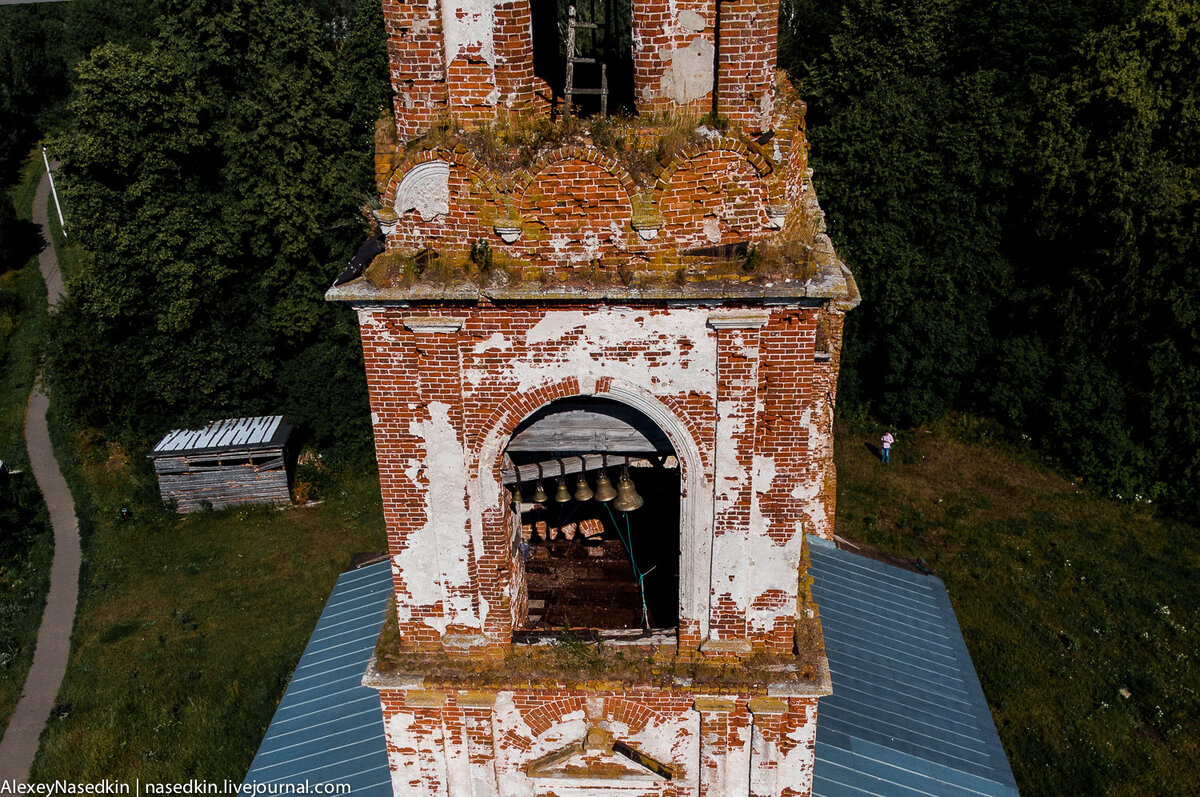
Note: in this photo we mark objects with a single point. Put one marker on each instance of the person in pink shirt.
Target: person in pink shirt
(885, 449)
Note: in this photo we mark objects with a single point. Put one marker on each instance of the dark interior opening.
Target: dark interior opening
(609, 43)
(583, 557)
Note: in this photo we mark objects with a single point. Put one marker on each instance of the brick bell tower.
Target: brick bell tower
(602, 355)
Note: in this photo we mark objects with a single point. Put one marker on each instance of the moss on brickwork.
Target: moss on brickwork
(582, 658)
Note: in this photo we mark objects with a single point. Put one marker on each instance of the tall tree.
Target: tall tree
(912, 154)
(215, 177)
(1118, 211)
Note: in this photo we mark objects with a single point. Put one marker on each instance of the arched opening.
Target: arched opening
(598, 556)
(602, 56)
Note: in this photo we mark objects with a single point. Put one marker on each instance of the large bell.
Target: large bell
(539, 493)
(582, 491)
(562, 494)
(627, 495)
(604, 488)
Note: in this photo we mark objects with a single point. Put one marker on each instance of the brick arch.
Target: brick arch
(551, 712)
(695, 525)
(576, 207)
(636, 714)
(752, 153)
(715, 197)
(471, 201)
(579, 152)
(458, 156)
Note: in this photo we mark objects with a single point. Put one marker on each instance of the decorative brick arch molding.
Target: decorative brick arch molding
(752, 153)
(696, 488)
(580, 152)
(636, 714)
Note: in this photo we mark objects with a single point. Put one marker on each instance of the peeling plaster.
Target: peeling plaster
(807, 491)
(771, 565)
(712, 230)
(468, 24)
(442, 542)
(690, 20)
(497, 341)
(673, 738)
(689, 72)
(681, 339)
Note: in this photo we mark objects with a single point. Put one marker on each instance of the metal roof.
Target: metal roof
(329, 727)
(907, 716)
(230, 433)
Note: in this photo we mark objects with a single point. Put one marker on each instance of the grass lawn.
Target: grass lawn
(26, 541)
(1080, 612)
(189, 627)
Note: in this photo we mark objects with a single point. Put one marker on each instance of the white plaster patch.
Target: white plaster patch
(616, 236)
(680, 338)
(712, 229)
(497, 342)
(404, 769)
(436, 559)
(690, 20)
(730, 475)
(689, 72)
(425, 188)
(468, 24)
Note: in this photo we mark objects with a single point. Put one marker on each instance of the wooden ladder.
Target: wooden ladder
(573, 58)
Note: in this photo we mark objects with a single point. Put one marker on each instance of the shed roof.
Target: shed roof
(231, 433)
(329, 727)
(907, 715)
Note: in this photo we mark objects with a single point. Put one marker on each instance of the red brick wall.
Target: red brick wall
(576, 205)
(503, 363)
(714, 198)
(416, 54)
(746, 63)
(458, 743)
(491, 68)
(577, 212)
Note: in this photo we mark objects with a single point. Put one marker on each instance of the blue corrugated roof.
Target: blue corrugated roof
(329, 727)
(907, 716)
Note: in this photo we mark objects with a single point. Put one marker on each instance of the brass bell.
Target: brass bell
(582, 491)
(627, 495)
(562, 494)
(604, 488)
(539, 493)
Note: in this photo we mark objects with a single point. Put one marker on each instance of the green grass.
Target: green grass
(189, 627)
(1067, 602)
(25, 568)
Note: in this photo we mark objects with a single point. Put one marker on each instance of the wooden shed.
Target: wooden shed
(234, 461)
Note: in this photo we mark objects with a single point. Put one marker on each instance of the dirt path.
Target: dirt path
(20, 741)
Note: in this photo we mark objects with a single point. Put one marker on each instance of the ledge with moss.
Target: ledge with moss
(577, 662)
(393, 278)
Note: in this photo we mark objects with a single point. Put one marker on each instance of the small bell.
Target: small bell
(604, 488)
(582, 491)
(562, 494)
(627, 495)
(539, 493)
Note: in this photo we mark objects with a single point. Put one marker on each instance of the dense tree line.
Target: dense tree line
(1016, 188)
(214, 155)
